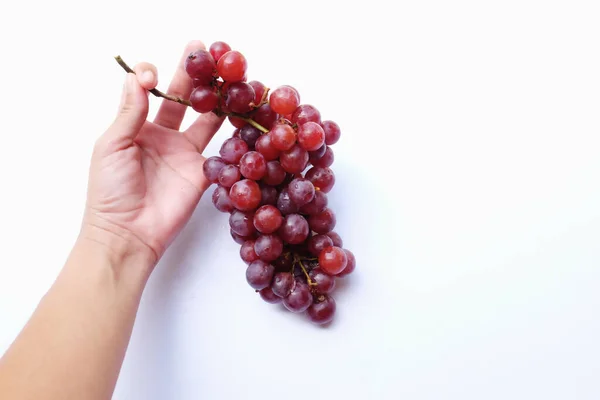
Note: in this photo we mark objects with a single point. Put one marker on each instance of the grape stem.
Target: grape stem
(299, 261)
(179, 100)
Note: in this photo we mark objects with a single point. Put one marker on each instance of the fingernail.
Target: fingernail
(148, 77)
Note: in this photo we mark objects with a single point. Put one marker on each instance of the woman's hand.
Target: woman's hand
(146, 177)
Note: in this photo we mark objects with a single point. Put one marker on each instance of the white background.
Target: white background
(468, 186)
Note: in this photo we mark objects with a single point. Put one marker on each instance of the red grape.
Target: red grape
(282, 284)
(247, 252)
(301, 191)
(294, 160)
(305, 113)
(325, 161)
(253, 165)
(267, 219)
(285, 204)
(322, 222)
(274, 174)
(217, 49)
(229, 175)
(284, 100)
(245, 195)
(268, 247)
(200, 64)
(333, 260)
(325, 283)
(211, 168)
(239, 97)
(237, 122)
(239, 239)
(265, 116)
(241, 223)
(317, 243)
(317, 154)
(205, 81)
(332, 132)
(299, 298)
(316, 205)
(259, 91)
(267, 295)
(232, 66)
(265, 147)
(294, 229)
(269, 195)
(250, 135)
(321, 312)
(337, 239)
(259, 274)
(232, 150)
(283, 137)
(351, 265)
(204, 99)
(322, 178)
(311, 136)
(221, 200)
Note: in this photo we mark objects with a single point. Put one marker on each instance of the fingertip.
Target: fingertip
(147, 75)
(195, 45)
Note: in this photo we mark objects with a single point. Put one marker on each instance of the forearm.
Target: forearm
(74, 344)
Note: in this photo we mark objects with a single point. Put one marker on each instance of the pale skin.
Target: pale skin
(145, 181)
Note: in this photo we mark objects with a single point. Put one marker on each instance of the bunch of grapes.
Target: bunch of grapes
(272, 177)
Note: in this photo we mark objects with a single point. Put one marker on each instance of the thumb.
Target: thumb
(132, 113)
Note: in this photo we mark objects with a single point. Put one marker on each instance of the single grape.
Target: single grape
(268, 247)
(204, 99)
(333, 260)
(232, 150)
(336, 239)
(217, 49)
(301, 191)
(294, 160)
(317, 154)
(321, 312)
(265, 147)
(284, 100)
(267, 219)
(282, 284)
(322, 222)
(211, 168)
(268, 195)
(274, 173)
(299, 298)
(253, 165)
(311, 136)
(259, 91)
(232, 66)
(325, 161)
(242, 223)
(204, 81)
(322, 178)
(265, 116)
(317, 243)
(249, 134)
(221, 200)
(305, 113)
(283, 137)
(350, 265)
(332, 132)
(325, 283)
(241, 239)
(245, 195)
(285, 204)
(247, 252)
(259, 274)
(229, 175)
(239, 97)
(200, 64)
(267, 295)
(316, 205)
(235, 121)
(294, 229)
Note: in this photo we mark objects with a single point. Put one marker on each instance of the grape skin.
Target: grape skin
(299, 298)
(322, 311)
(245, 195)
(259, 274)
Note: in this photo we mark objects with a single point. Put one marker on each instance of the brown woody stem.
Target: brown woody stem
(179, 100)
(299, 261)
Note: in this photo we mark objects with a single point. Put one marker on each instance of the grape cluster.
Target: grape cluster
(272, 178)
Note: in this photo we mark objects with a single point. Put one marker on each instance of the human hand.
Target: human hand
(146, 177)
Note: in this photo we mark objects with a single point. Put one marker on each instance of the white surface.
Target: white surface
(476, 280)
